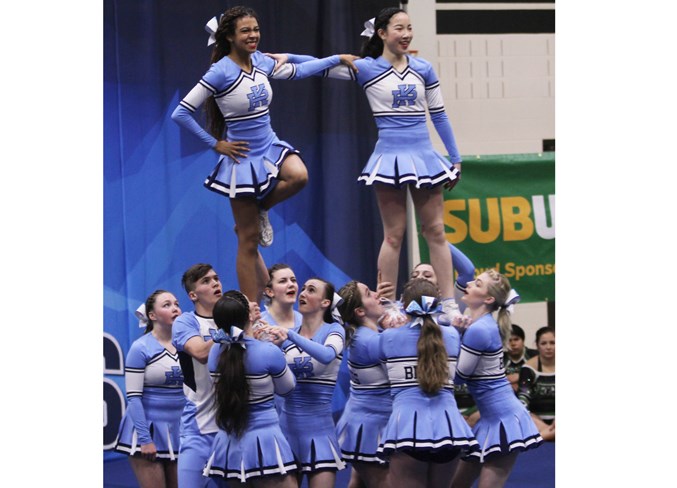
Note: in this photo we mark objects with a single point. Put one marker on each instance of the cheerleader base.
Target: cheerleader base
(504, 426)
(165, 436)
(312, 436)
(360, 427)
(261, 451)
(423, 425)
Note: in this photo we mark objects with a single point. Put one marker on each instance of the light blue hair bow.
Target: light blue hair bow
(430, 308)
(236, 336)
(211, 27)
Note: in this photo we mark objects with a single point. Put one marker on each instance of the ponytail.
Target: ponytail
(351, 300)
(231, 386)
(232, 392)
(432, 366)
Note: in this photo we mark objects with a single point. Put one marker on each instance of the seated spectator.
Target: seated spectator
(537, 384)
(516, 355)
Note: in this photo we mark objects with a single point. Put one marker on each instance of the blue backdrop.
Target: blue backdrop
(159, 219)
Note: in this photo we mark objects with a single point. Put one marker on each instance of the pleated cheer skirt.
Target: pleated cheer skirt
(256, 173)
(164, 424)
(504, 426)
(312, 436)
(262, 450)
(406, 156)
(426, 424)
(360, 428)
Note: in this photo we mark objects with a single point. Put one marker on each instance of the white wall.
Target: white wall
(499, 93)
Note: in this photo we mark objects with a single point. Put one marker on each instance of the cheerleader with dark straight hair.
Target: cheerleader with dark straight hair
(249, 447)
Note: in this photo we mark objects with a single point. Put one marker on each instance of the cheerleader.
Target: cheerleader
(256, 170)
(280, 297)
(368, 407)
(249, 446)
(400, 89)
(149, 430)
(314, 353)
(425, 433)
(505, 427)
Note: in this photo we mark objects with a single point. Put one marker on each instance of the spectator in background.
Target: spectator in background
(537, 384)
(516, 355)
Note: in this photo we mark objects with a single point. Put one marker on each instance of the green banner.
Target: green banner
(502, 216)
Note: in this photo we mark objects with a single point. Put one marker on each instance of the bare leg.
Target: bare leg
(496, 471)
(355, 478)
(407, 472)
(465, 475)
(245, 213)
(171, 475)
(275, 481)
(149, 474)
(429, 205)
(322, 479)
(292, 177)
(369, 475)
(261, 277)
(392, 204)
(439, 474)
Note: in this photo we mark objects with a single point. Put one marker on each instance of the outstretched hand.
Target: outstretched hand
(347, 59)
(280, 59)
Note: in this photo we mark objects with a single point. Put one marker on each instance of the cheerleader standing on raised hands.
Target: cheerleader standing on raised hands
(314, 353)
(505, 427)
(399, 89)
(368, 407)
(249, 447)
(425, 433)
(149, 430)
(256, 170)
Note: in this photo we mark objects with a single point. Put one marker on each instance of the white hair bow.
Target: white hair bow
(513, 298)
(141, 315)
(334, 308)
(211, 27)
(369, 28)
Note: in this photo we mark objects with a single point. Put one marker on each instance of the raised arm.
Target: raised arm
(324, 353)
(284, 380)
(187, 339)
